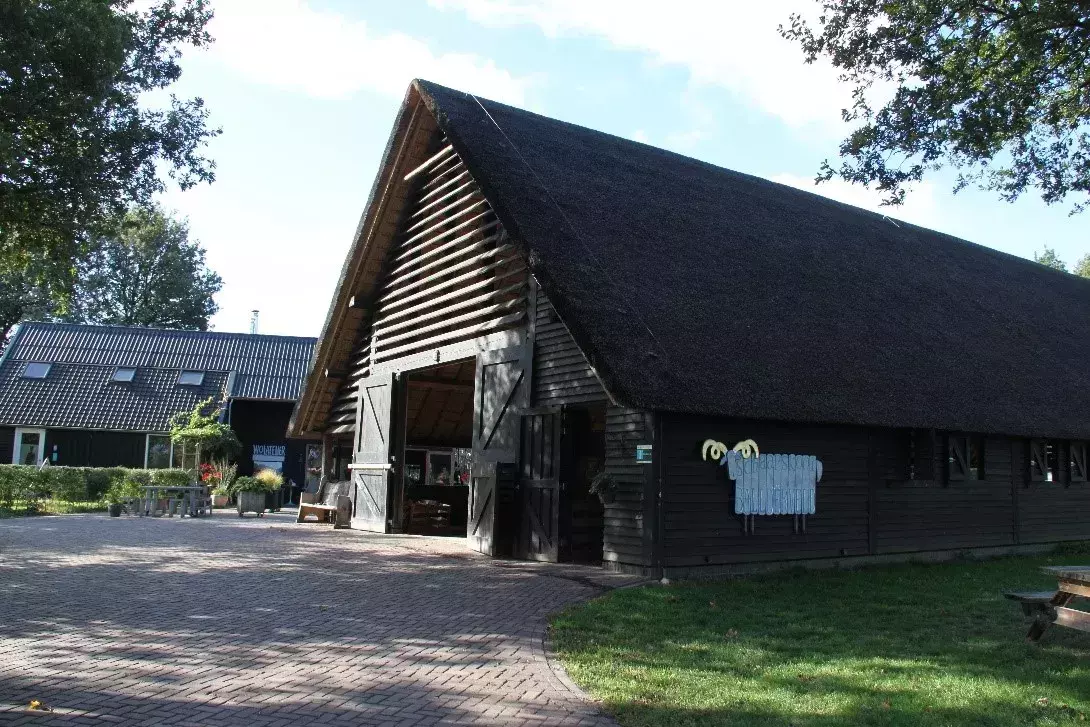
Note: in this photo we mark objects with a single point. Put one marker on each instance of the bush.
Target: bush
(124, 490)
(14, 483)
(271, 479)
(252, 484)
(98, 482)
(75, 484)
(171, 478)
(68, 484)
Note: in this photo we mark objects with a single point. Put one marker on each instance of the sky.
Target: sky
(306, 92)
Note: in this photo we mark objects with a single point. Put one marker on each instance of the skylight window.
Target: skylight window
(124, 374)
(36, 370)
(191, 378)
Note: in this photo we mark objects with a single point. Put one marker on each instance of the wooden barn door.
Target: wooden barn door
(371, 467)
(500, 393)
(540, 486)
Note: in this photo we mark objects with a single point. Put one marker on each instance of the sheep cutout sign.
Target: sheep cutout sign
(769, 484)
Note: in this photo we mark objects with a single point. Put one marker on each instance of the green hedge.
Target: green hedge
(75, 484)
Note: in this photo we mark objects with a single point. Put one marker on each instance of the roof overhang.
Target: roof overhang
(405, 149)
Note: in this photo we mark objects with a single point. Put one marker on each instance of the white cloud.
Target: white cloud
(288, 44)
(641, 136)
(734, 45)
(920, 207)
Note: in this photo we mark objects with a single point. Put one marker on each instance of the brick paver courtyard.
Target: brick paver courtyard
(222, 621)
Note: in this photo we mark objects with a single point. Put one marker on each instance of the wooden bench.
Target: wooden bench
(330, 504)
(1032, 602)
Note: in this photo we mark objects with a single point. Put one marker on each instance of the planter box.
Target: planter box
(220, 500)
(251, 502)
(274, 500)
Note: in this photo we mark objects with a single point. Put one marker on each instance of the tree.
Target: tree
(1050, 259)
(1082, 267)
(76, 143)
(202, 435)
(145, 272)
(24, 295)
(998, 90)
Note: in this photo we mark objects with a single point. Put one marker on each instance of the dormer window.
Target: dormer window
(36, 370)
(191, 378)
(123, 374)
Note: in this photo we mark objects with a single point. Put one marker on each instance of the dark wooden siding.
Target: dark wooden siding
(700, 527)
(91, 448)
(561, 372)
(7, 444)
(866, 505)
(628, 525)
(931, 514)
(266, 422)
(1049, 511)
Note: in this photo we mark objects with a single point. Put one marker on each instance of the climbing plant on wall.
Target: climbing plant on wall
(201, 434)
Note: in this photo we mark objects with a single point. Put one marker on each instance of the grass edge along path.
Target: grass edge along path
(53, 507)
(911, 644)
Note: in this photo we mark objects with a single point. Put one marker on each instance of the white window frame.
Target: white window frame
(19, 432)
(184, 372)
(119, 369)
(45, 374)
(147, 448)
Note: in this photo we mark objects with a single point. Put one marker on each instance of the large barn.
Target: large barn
(530, 306)
(103, 396)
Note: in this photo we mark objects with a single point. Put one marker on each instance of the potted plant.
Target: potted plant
(220, 476)
(221, 495)
(250, 495)
(113, 501)
(121, 492)
(274, 481)
(604, 486)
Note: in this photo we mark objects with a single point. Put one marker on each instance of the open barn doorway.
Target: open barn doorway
(438, 449)
(560, 519)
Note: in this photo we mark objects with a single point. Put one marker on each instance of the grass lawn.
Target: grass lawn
(54, 507)
(899, 645)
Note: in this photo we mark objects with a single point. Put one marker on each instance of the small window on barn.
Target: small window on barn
(919, 455)
(1076, 455)
(1044, 461)
(191, 378)
(123, 374)
(1077, 460)
(36, 370)
(964, 457)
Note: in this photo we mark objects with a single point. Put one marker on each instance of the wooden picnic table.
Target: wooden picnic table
(190, 496)
(1048, 608)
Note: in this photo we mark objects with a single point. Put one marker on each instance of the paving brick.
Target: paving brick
(221, 621)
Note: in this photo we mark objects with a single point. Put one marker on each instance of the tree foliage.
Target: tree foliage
(202, 432)
(76, 143)
(998, 90)
(1082, 267)
(1050, 259)
(145, 272)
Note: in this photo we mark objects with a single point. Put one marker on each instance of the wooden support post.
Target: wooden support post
(327, 457)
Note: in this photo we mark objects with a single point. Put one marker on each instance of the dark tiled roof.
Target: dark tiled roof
(694, 288)
(81, 396)
(78, 391)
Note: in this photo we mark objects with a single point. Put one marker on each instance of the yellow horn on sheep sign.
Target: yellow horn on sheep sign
(715, 450)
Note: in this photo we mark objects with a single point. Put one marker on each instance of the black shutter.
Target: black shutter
(1038, 460)
(1078, 461)
(957, 459)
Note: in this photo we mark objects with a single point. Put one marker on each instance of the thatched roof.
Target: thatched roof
(693, 288)
(698, 289)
